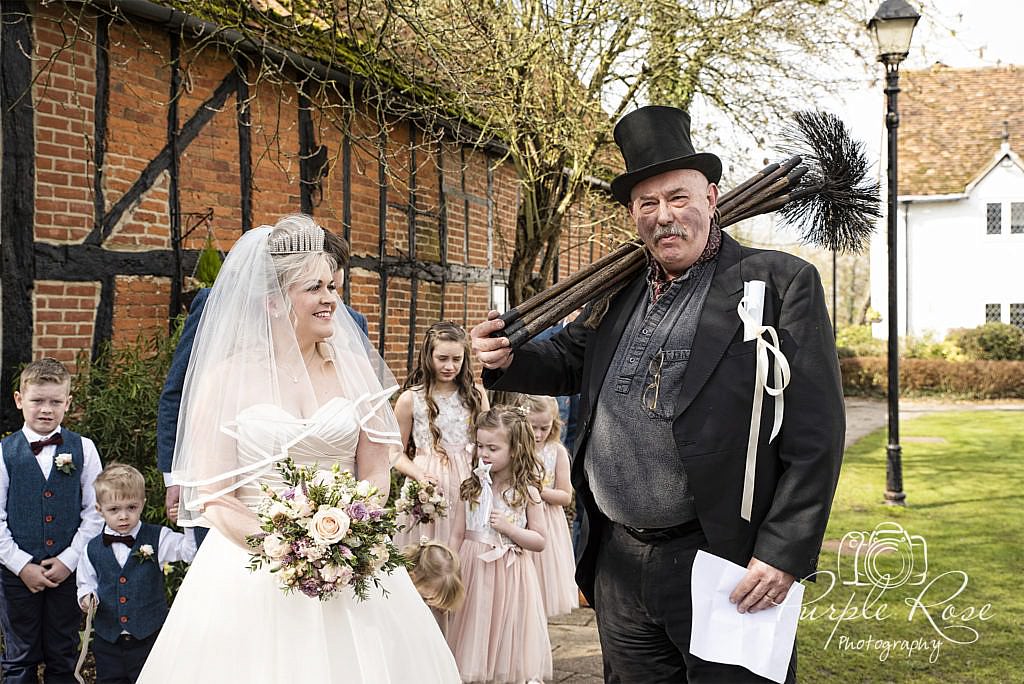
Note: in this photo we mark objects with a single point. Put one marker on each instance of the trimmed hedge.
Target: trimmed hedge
(868, 375)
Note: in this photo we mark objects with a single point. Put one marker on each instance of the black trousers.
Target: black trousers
(121, 662)
(642, 600)
(39, 628)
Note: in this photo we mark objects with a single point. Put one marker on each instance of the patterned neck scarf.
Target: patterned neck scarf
(659, 280)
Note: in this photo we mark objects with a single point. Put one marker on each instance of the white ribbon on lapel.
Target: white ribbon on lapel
(751, 312)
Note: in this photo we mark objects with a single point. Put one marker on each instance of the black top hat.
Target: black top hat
(654, 140)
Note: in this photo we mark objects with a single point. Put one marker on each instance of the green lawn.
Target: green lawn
(964, 476)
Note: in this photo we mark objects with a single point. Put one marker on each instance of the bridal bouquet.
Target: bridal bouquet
(324, 532)
(423, 502)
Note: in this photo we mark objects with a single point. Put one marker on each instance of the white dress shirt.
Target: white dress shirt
(13, 557)
(173, 546)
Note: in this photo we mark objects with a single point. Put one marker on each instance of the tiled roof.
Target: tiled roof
(951, 124)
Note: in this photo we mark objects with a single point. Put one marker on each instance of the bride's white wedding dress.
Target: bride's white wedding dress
(230, 625)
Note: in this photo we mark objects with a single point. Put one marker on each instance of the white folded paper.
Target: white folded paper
(762, 642)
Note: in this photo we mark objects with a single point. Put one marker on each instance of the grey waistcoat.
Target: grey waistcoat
(632, 464)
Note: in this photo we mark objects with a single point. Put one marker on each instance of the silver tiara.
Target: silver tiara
(307, 239)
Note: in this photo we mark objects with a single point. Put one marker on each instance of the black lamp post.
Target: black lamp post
(892, 28)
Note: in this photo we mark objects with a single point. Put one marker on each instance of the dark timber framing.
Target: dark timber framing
(308, 176)
(244, 146)
(414, 281)
(346, 211)
(100, 117)
(442, 224)
(173, 194)
(25, 261)
(382, 223)
(17, 199)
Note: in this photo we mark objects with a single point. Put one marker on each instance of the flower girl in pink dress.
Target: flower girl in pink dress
(500, 634)
(556, 565)
(435, 415)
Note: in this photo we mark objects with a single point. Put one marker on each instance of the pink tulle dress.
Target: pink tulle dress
(453, 420)
(500, 634)
(556, 564)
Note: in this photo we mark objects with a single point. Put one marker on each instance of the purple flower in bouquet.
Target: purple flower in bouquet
(310, 587)
(357, 511)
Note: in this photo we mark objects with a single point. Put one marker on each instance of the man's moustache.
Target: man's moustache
(667, 231)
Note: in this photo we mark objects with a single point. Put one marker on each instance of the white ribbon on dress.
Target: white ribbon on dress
(479, 518)
(478, 521)
(751, 312)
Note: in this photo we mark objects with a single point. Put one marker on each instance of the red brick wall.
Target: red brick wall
(209, 172)
(64, 315)
(140, 303)
(64, 97)
(209, 179)
(136, 132)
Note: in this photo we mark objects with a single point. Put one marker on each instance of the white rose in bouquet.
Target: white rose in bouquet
(380, 555)
(275, 547)
(336, 574)
(329, 525)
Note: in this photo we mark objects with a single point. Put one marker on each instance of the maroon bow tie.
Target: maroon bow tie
(128, 540)
(55, 438)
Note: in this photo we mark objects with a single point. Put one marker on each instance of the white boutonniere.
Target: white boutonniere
(144, 553)
(64, 463)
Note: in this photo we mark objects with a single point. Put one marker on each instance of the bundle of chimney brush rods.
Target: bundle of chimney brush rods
(825, 190)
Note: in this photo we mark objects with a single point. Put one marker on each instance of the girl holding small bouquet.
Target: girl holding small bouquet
(500, 634)
(435, 416)
(556, 565)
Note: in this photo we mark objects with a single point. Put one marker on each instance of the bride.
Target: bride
(280, 370)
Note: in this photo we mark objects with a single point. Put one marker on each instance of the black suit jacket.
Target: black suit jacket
(796, 474)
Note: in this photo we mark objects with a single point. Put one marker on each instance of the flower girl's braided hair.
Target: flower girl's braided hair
(423, 375)
(526, 470)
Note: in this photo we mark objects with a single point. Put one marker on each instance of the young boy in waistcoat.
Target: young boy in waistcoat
(122, 569)
(47, 515)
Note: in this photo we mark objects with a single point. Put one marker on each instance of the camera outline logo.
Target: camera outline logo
(860, 555)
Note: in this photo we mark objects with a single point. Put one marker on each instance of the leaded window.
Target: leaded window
(1017, 315)
(993, 313)
(994, 218)
(1017, 217)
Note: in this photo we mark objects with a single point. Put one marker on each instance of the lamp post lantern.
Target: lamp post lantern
(892, 28)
